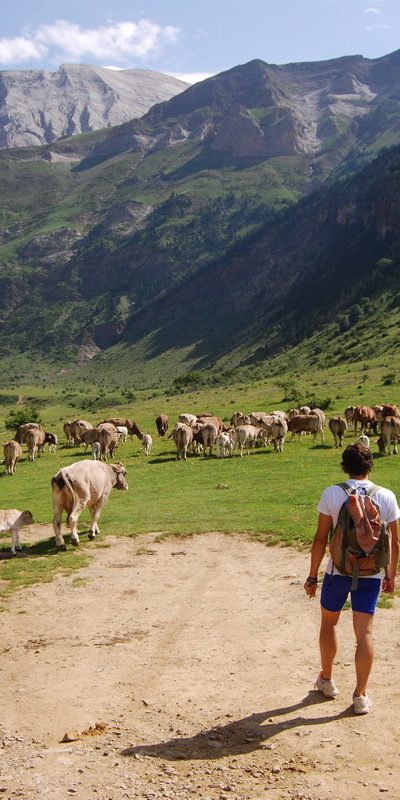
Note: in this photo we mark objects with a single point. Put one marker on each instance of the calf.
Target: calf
(13, 520)
(12, 452)
(147, 443)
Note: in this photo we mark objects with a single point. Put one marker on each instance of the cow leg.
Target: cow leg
(72, 521)
(95, 514)
(57, 528)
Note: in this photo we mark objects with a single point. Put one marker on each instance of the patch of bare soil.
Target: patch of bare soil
(184, 669)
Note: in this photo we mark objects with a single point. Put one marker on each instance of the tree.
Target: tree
(26, 413)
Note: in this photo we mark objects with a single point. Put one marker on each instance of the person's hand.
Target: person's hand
(310, 587)
(388, 585)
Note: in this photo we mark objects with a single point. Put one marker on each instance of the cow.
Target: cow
(187, 419)
(306, 423)
(182, 435)
(77, 427)
(246, 436)
(162, 422)
(205, 434)
(34, 440)
(224, 443)
(338, 427)
(108, 439)
(305, 410)
(390, 435)
(96, 451)
(261, 419)
(365, 415)
(349, 415)
(238, 418)
(67, 431)
(279, 429)
(52, 440)
(122, 433)
(387, 410)
(12, 452)
(147, 443)
(319, 413)
(83, 484)
(293, 412)
(133, 429)
(13, 520)
(24, 428)
(211, 419)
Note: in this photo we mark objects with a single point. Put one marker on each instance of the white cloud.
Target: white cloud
(372, 10)
(66, 41)
(191, 77)
(381, 27)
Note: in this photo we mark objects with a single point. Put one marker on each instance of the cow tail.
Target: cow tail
(69, 484)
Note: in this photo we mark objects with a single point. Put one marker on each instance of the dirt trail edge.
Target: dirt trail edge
(185, 669)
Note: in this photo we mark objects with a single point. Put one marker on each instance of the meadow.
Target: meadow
(270, 497)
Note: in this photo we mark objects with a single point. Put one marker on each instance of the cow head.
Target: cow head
(120, 476)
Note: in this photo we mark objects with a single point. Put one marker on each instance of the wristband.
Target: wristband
(312, 580)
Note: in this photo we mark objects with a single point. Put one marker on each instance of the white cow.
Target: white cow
(225, 444)
(147, 443)
(246, 436)
(83, 484)
(183, 437)
(13, 520)
(122, 432)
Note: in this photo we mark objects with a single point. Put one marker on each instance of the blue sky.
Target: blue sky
(196, 38)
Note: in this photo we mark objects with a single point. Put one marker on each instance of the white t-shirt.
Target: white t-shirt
(333, 497)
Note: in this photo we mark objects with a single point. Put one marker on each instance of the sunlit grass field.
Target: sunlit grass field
(267, 496)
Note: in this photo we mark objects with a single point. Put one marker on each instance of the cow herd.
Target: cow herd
(88, 483)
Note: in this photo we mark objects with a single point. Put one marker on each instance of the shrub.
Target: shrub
(20, 416)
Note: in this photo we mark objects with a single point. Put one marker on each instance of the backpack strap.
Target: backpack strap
(346, 488)
(373, 490)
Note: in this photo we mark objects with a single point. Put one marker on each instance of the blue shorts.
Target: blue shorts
(335, 590)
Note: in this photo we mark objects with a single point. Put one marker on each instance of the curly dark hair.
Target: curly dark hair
(357, 459)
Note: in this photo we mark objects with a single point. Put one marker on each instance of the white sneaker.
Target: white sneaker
(326, 685)
(362, 704)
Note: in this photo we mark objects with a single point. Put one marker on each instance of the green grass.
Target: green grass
(269, 497)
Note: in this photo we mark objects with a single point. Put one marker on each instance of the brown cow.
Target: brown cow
(23, 429)
(83, 484)
(390, 435)
(306, 423)
(130, 424)
(12, 452)
(365, 415)
(76, 429)
(162, 424)
(35, 441)
(338, 427)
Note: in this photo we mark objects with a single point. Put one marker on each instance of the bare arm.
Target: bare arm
(388, 583)
(318, 551)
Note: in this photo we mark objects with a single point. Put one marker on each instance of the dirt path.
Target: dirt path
(196, 658)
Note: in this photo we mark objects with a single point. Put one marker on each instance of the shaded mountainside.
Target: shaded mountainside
(37, 106)
(224, 224)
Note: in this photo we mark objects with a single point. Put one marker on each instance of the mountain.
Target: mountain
(38, 107)
(221, 227)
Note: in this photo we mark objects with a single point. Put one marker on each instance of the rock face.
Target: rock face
(38, 107)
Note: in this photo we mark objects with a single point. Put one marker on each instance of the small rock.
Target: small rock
(71, 736)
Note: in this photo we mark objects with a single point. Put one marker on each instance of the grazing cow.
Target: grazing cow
(246, 436)
(279, 429)
(52, 440)
(90, 436)
(224, 443)
(12, 452)
(147, 443)
(349, 415)
(364, 440)
(34, 440)
(210, 419)
(390, 435)
(238, 418)
(23, 429)
(133, 429)
(83, 484)
(182, 435)
(365, 415)
(306, 423)
(162, 424)
(13, 520)
(77, 427)
(187, 419)
(338, 427)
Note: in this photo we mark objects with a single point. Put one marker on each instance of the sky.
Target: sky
(193, 39)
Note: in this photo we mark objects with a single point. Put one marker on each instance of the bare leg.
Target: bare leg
(364, 657)
(327, 640)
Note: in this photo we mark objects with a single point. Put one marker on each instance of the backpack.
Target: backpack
(360, 542)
